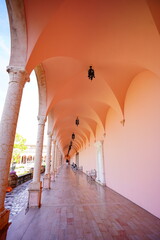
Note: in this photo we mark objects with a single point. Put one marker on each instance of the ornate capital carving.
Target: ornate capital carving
(41, 120)
(15, 69)
(98, 144)
(18, 74)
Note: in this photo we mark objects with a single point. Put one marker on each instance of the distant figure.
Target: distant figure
(75, 166)
(91, 73)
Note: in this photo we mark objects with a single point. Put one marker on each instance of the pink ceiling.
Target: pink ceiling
(119, 39)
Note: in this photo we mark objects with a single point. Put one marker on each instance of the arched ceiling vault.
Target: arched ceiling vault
(120, 39)
(18, 30)
(59, 123)
(65, 136)
(68, 131)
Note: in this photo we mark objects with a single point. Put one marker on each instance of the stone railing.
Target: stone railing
(14, 180)
(24, 178)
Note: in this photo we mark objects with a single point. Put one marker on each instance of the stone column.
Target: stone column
(35, 188)
(52, 160)
(46, 179)
(58, 161)
(18, 78)
(55, 160)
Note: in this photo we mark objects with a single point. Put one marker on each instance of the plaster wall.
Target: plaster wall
(132, 152)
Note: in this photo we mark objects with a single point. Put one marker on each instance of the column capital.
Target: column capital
(99, 143)
(20, 72)
(41, 120)
(49, 133)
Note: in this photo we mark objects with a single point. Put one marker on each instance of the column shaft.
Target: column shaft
(48, 158)
(39, 149)
(55, 160)
(53, 157)
(35, 188)
(46, 179)
(8, 126)
(52, 161)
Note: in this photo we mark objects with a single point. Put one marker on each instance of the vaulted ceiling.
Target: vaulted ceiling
(119, 39)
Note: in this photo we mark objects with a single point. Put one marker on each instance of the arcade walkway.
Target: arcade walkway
(77, 209)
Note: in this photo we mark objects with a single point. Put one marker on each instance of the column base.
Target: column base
(52, 177)
(46, 181)
(35, 192)
(4, 223)
(101, 183)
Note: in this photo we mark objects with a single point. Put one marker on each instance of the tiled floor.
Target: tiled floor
(77, 209)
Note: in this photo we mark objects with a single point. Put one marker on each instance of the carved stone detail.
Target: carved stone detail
(18, 75)
(41, 120)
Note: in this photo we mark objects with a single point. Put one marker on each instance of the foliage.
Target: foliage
(19, 148)
(12, 172)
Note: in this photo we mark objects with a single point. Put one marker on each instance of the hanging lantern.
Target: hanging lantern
(77, 121)
(91, 74)
(73, 136)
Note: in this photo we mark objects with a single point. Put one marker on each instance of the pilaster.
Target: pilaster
(100, 163)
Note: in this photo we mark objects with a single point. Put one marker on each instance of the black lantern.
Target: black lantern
(73, 136)
(91, 73)
(77, 121)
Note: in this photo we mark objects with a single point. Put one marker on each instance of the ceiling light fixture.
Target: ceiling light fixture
(91, 74)
(73, 136)
(77, 121)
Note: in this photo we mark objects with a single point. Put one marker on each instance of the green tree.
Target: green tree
(19, 147)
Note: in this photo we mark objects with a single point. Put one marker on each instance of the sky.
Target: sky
(27, 122)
